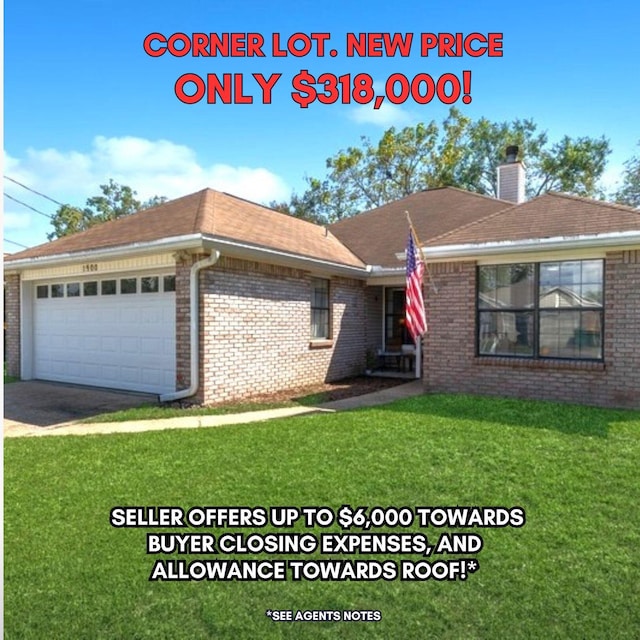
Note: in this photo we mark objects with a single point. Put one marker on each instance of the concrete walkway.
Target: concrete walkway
(14, 429)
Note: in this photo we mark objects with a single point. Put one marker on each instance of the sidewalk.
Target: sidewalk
(15, 429)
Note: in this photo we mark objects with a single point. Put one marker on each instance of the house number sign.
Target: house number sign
(89, 267)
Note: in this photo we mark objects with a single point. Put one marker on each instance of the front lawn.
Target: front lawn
(570, 572)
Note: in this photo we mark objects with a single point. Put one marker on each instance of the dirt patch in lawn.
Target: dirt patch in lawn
(327, 392)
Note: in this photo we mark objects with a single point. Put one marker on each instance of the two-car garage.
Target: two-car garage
(114, 330)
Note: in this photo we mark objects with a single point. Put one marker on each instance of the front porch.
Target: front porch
(391, 352)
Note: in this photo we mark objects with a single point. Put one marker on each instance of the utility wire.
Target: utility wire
(24, 204)
(24, 246)
(24, 186)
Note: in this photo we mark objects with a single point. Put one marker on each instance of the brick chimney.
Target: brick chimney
(511, 177)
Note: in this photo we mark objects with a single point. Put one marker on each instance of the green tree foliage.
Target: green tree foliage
(629, 192)
(115, 201)
(307, 205)
(460, 153)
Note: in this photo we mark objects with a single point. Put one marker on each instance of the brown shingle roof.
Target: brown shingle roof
(553, 215)
(376, 236)
(213, 214)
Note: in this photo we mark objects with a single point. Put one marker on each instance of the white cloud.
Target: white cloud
(150, 167)
(388, 115)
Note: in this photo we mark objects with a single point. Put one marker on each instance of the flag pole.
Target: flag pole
(424, 260)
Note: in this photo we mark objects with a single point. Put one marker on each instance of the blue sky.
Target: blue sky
(84, 103)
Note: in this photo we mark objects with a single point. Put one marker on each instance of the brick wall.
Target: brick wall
(622, 327)
(12, 324)
(255, 331)
(511, 181)
(183, 315)
(450, 363)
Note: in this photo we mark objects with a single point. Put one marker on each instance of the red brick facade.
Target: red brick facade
(451, 365)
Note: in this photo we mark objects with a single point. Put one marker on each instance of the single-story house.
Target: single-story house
(217, 298)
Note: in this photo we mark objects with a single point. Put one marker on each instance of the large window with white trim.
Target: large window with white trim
(541, 310)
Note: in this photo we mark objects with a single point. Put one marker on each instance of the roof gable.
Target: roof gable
(553, 215)
(376, 236)
(209, 213)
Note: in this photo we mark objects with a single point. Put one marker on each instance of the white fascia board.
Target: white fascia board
(620, 239)
(377, 271)
(192, 241)
(386, 276)
(235, 249)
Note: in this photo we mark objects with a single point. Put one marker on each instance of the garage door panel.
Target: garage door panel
(130, 374)
(109, 344)
(119, 341)
(90, 371)
(130, 345)
(152, 345)
(90, 343)
(72, 355)
(110, 372)
(57, 342)
(91, 316)
(58, 367)
(153, 377)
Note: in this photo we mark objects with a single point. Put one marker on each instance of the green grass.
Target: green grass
(157, 411)
(571, 571)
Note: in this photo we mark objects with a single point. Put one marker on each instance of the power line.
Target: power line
(24, 186)
(24, 246)
(24, 204)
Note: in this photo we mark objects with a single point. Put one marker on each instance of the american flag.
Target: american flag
(414, 308)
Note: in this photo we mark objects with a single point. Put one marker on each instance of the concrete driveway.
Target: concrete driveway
(59, 404)
(43, 404)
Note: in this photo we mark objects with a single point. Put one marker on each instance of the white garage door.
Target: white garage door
(113, 332)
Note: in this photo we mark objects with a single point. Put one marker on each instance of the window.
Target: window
(90, 288)
(57, 291)
(108, 287)
(73, 289)
(42, 291)
(128, 285)
(505, 301)
(320, 326)
(169, 283)
(149, 285)
(545, 310)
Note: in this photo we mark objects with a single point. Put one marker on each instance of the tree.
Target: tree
(629, 193)
(116, 201)
(460, 153)
(306, 206)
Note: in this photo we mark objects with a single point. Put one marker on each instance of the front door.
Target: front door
(396, 336)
